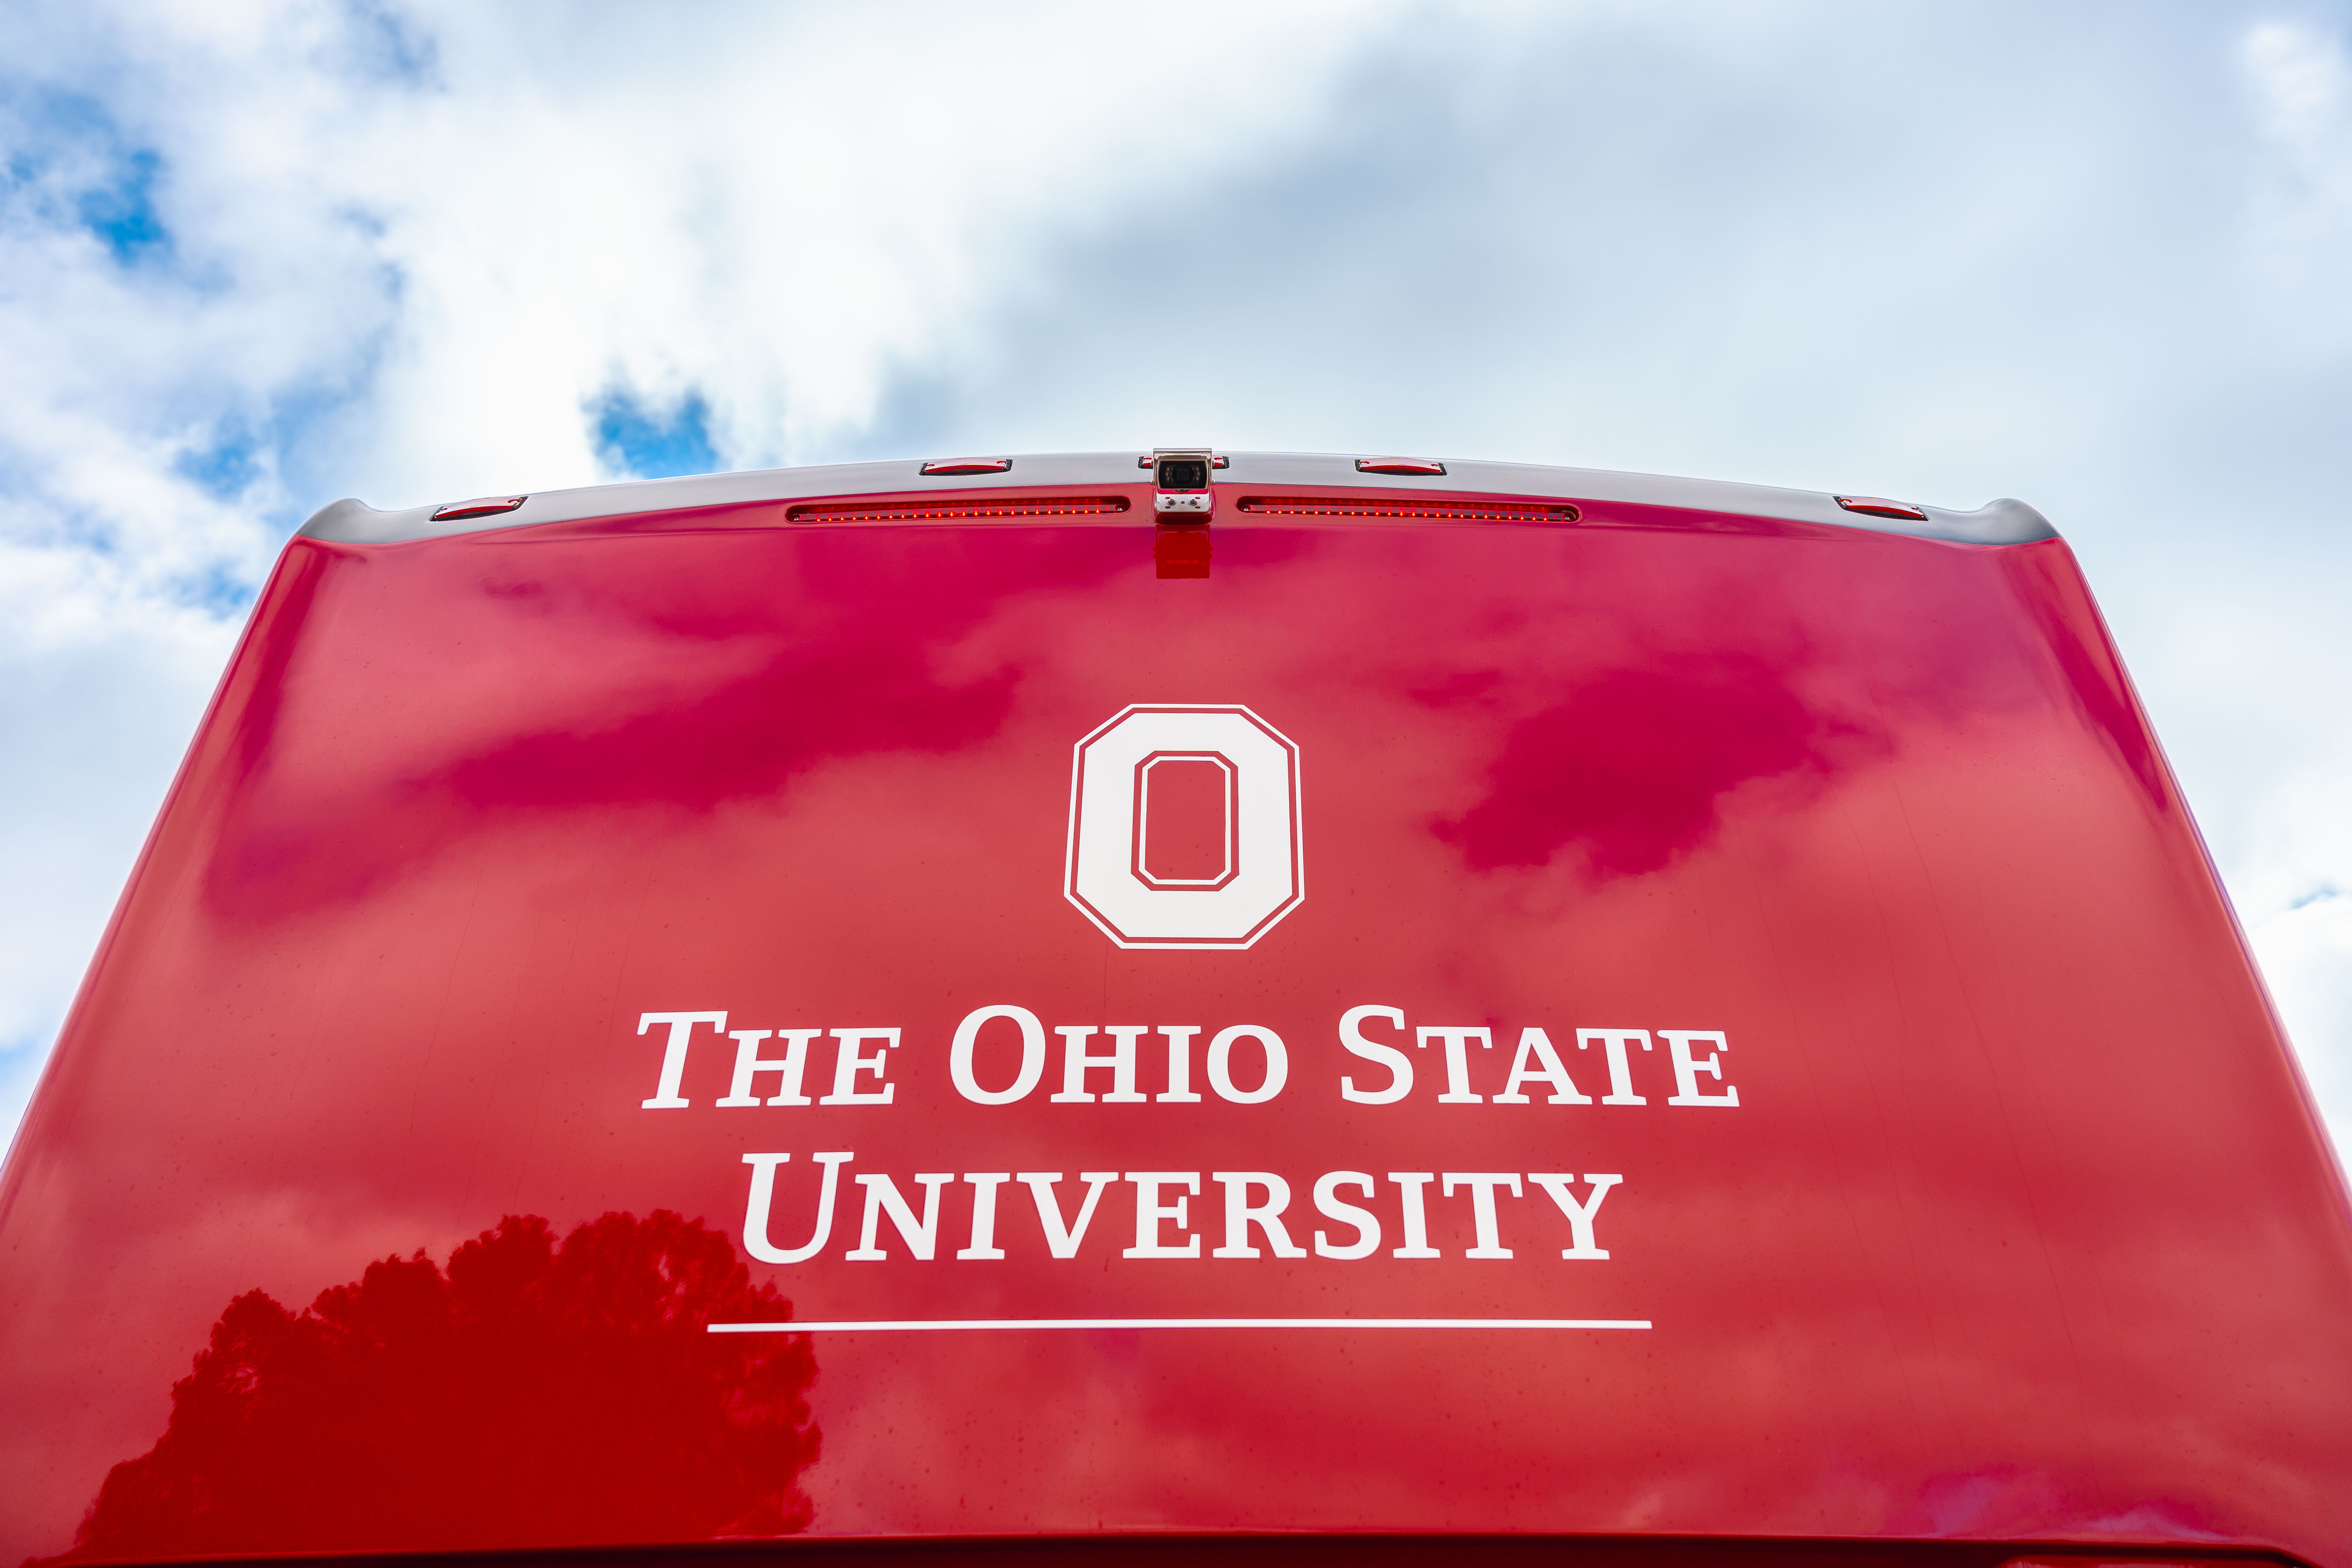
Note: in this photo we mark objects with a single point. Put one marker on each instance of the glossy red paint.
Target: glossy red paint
(2020, 1231)
(1181, 550)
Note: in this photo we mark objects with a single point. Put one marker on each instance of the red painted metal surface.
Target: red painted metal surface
(2020, 1229)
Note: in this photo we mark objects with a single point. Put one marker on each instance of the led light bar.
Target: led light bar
(1448, 511)
(934, 509)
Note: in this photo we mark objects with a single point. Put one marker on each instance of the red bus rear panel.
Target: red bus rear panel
(1519, 1005)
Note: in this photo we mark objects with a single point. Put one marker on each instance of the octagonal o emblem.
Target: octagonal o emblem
(1184, 826)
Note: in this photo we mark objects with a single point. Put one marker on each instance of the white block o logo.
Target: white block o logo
(1132, 891)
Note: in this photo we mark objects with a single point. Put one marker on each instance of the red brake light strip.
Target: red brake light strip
(1449, 511)
(935, 510)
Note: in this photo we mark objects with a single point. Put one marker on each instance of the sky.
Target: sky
(256, 255)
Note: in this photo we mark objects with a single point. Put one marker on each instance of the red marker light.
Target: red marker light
(1414, 466)
(941, 468)
(481, 506)
(1872, 506)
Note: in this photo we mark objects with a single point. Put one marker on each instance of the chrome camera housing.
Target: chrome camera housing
(1181, 475)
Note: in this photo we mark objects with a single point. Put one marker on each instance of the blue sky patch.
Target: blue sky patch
(68, 164)
(123, 213)
(219, 590)
(648, 443)
(224, 468)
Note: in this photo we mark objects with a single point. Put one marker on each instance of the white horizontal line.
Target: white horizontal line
(933, 1325)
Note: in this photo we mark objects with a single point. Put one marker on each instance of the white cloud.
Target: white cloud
(95, 716)
(2301, 77)
(2296, 890)
(2307, 954)
(1951, 254)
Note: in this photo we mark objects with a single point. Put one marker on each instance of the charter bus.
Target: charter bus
(1174, 1008)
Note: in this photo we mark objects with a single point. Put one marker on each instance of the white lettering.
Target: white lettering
(1535, 1047)
(1063, 1241)
(1278, 1064)
(1416, 1217)
(983, 1213)
(1241, 1214)
(1400, 1065)
(1180, 1064)
(1458, 1060)
(1076, 1060)
(788, 1068)
(1151, 1213)
(1481, 1186)
(1580, 1215)
(1621, 1070)
(1154, 1212)
(848, 1063)
(1687, 1070)
(763, 1194)
(1367, 1224)
(673, 1068)
(882, 1194)
(967, 1037)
